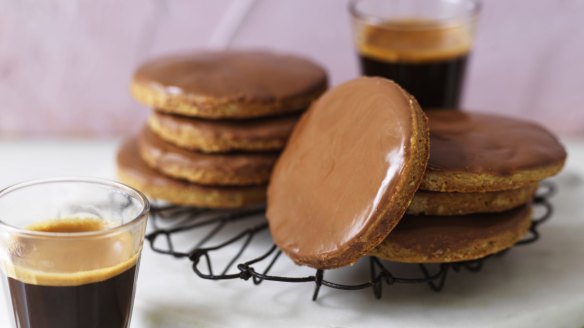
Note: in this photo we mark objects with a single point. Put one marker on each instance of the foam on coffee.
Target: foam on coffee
(411, 40)
(70, 261)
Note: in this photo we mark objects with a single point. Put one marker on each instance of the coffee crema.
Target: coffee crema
(73, 281)
(414, 41)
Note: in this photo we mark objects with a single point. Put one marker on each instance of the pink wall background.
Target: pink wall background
(65, 66)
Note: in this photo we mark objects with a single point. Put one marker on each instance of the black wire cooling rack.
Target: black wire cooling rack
(211, 231)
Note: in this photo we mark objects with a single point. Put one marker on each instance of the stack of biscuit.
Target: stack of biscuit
(475, 197)
(219, 122)
(369, 173)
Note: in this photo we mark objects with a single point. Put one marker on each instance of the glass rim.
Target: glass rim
(471, 13)
(71, 235)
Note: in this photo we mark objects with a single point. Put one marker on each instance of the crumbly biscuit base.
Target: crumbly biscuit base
(191, 139)
(207, 176)
(446, 181)
(211, 197)
(218, 108)
(133, 171)
(461, 203)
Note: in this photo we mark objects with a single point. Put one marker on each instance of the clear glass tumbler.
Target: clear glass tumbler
(423, 45)
(70, 250)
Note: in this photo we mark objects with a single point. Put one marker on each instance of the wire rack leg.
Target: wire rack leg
(317, 283)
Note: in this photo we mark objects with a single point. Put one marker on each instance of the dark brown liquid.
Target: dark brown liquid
(99, 297)
(106, 304)
(434, 84)
(427, 58)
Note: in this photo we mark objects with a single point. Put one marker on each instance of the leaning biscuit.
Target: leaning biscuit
(348, 173)
(428, 239)
(472, 152)
(208, 169)
(133, 171)
(229, 84)
(212, 136)
(460, 203)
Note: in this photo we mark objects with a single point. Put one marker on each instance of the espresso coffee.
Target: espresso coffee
(434, 84)
(103, 304)
(93, 285)
(429, 63)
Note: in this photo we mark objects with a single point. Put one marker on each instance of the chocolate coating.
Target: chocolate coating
(454, 231)
(225, 169)
(344, 178)
(255, 76)
(482, 143)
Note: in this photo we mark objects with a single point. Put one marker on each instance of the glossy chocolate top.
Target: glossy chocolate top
(483, 143)
(329, 190)
(258, 76)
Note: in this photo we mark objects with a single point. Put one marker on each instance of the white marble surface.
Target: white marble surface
(536, 286)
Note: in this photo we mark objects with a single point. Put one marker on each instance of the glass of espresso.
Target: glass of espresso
(69, 251)
(423, 45)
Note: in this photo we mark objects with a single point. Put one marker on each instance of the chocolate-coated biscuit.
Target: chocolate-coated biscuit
(229, 84)
(429, 239)
(460, 203)
(348, 173)
(229, 169)
(211, 136)
(474, 152)
(133, 171)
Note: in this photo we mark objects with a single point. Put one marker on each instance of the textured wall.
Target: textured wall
(65, 65)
